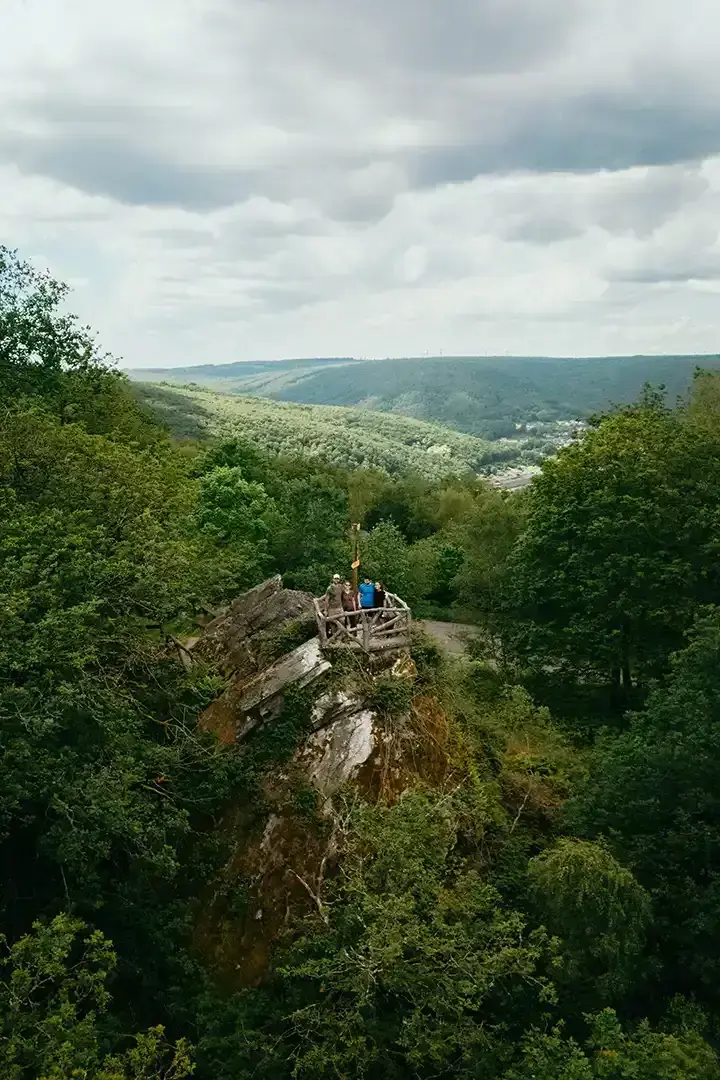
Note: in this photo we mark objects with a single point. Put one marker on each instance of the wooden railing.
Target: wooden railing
(367, 629)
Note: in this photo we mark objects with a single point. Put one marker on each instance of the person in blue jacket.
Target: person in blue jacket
(366, 592)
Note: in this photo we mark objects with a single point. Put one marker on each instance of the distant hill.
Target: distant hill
(484, 396)
(266, 378)
(343, 436)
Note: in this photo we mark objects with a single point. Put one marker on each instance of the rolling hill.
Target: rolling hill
(343, 436)
(483, 396)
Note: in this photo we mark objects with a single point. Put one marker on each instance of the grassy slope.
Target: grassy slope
(479, 395)
(343, 436)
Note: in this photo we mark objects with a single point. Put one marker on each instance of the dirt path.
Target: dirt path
(449, 635)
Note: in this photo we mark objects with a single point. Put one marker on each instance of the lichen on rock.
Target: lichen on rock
(334, 754)
(236, 642)
(231, 640)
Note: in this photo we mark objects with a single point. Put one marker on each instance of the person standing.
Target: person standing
(334, 596)
(333, 601)
(349, 602)
(380, 594)
(366, 594)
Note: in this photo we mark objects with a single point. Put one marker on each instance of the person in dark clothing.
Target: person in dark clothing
(380, 594)
(349, 602)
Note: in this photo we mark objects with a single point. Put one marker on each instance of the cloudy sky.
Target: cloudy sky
(250, 179)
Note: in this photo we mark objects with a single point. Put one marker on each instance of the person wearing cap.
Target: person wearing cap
(334, 599)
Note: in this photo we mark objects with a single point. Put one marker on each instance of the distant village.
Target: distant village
(547, 438)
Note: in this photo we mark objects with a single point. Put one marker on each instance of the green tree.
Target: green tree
(38, 344)
(103, 778)
(620, 547)
(611, 1054)
(424, 568)
(703, 407)
(47, 356)
(385, 556)
(653, 791)
(420, 970)
(240, 517)
(295, 526)
(309, 543)
(486, 532)
(122, 512)
(233, 508)
(406, 502)
(53, 1001)
(598, 910)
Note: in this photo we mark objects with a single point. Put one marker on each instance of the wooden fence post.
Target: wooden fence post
(365, 631)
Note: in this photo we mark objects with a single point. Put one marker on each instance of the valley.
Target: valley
(489, 397)
(350, 437)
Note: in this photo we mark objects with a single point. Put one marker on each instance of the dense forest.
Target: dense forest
(351, 438)
(541, 901)
(483, 396)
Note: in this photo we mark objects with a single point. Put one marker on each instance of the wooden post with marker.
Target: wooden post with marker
(356, 556)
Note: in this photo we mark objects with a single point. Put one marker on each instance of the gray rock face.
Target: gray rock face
(334, 754)
(279, 859)
(332, 706)
(228, 640)
(262, 696)
(346, 733)
(233, 641)
(248, 703)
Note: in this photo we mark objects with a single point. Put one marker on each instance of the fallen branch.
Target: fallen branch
(182, 649)
(517, 816)
(313, 895)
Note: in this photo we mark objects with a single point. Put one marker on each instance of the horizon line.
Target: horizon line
(433, 356)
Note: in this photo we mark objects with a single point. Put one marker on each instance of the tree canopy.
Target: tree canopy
(620, 547)
(513, 891)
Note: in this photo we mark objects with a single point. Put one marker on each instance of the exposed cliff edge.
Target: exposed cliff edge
(350, 725)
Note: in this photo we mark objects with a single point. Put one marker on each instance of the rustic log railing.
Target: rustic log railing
(367, 629)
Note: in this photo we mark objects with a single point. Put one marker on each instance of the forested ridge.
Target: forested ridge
(541, 901)
(486, 396)
(351, 438)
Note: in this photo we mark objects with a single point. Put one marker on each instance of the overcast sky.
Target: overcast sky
(250, 179)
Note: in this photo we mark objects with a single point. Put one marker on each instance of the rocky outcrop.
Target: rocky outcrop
(247, 704)
(361, 735)
(239, 641)
(332, 706)
(335, 754)
(230, 641)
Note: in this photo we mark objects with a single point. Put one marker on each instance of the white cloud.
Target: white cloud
(237, 179)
